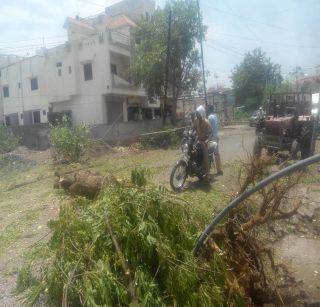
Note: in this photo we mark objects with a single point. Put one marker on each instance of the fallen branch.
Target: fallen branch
(124, 264)
(23, 184)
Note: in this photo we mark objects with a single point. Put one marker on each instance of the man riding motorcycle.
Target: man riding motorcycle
(204, 133)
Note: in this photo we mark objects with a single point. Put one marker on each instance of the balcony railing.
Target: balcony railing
(119, 82)
(120, 39)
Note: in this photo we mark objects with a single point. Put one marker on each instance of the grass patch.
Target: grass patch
(15, 229)
(311, 179)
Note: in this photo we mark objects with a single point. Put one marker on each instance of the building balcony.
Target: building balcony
(124, 85)
(59, 98)
(120, 40)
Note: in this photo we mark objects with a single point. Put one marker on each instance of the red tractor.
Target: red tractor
(287, 126)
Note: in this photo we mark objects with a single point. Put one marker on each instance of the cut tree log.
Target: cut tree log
(84, 183)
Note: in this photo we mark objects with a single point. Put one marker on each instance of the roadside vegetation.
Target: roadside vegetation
(69, 142)
(132, 245)
(8, 141)
(168, 137)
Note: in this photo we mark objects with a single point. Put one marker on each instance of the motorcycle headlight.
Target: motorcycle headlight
(185, 148)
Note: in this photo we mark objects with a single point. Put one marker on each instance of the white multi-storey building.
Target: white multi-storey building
(87, 78)
(5, 60)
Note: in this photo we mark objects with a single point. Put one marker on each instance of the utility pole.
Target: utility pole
(202, 60)
(2, 118)
(316, 115)
(167, 70)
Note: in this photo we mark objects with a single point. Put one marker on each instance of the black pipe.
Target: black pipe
(237, 201)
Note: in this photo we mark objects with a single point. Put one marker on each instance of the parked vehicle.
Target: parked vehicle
(288, 125)
(254, 118)
(190, 164)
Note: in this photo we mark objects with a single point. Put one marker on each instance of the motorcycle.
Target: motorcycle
(190, 164)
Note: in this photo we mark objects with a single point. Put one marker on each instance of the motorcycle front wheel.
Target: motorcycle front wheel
(178, 176)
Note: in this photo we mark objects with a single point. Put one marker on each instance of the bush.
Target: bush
(139, 176)
(241, 115)
(8, 141)
(69, 143)
(155, 234)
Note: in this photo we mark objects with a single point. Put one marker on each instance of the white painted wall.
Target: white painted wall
(89, 42)
(21, 98)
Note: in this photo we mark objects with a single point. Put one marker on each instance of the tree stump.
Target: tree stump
(83, 183)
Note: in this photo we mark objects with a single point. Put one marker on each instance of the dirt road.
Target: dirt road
(235, 142)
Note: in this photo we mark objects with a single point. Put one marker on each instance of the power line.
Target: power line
(245, 25)
(93, 3)
(249, 19)
(267, 42)
(32, 46)
(233, 49)
(51, 44)
(224, 50)
(32, 39)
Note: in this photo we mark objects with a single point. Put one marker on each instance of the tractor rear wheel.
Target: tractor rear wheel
(305, 140)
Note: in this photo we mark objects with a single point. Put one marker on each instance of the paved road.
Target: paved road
(235, 142)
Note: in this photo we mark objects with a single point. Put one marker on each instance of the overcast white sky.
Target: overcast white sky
(288, 30)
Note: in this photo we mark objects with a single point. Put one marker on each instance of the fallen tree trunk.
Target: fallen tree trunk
(84, 183)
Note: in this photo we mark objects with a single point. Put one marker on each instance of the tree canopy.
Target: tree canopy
(254, 77)
(149, 65)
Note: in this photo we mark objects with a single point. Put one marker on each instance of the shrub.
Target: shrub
(8, 141)
(139, 176)
(241, 115)
(69, 143)
(155, 234)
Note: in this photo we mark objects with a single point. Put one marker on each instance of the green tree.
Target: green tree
(296, 74)
(149, 63)
(254, 77)
(285, 86)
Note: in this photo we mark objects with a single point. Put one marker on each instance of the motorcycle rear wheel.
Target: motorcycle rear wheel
(178, 176)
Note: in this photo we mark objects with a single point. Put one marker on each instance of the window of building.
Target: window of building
(44, 112)
(59, 64)
(7, 120)
(87, 69)
(21, 115)
(19, 84)
(34, 84)
(113, 69)
(6, 91)
(59, 72)
(70, 70)
(36, 117)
